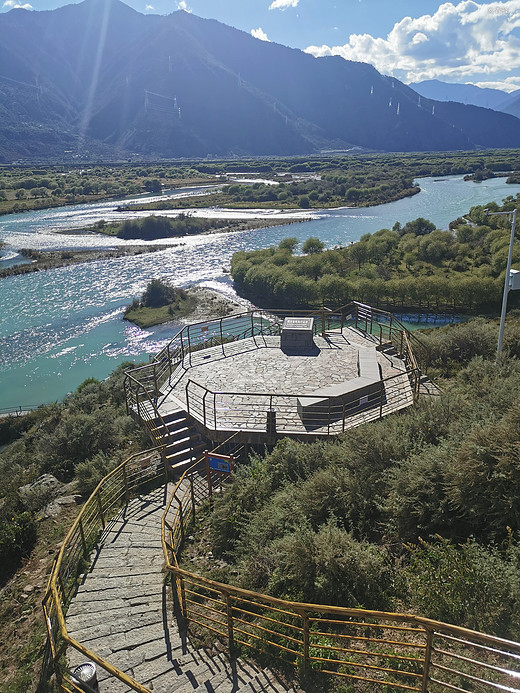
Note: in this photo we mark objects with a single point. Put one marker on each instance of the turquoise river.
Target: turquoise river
(59, 327)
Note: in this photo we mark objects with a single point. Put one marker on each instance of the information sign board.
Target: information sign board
(218, 464)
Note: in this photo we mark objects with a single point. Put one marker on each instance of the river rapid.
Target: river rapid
(61, 326)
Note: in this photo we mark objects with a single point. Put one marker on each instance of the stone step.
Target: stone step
(122, 611)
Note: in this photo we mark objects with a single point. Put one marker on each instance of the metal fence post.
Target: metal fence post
(100, 504)
(305, 641)
(82, 535)
(229, 614)
(125, 480)
(192, 492)
(427, 662)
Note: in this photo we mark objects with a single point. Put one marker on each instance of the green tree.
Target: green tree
(312, 246)
(158, 293)
(288, 244)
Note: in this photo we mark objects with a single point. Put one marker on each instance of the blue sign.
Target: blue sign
(219, 465)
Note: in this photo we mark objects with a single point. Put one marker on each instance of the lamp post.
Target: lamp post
(507, 281)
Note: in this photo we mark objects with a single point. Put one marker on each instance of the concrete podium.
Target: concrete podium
(297, 334)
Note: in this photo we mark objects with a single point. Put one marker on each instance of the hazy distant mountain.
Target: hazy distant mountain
(99, 77)
(463, 93)
(512, 104)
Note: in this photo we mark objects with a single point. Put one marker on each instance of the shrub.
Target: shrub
(17, 537)
(466, 584)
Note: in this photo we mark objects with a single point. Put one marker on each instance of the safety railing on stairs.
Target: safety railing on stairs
(139, 473)
(384, 651)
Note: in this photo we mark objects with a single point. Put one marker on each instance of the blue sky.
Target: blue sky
(471, 41)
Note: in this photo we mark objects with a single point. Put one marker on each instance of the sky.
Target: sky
(476, 42)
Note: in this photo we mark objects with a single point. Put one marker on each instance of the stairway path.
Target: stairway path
(123, 612)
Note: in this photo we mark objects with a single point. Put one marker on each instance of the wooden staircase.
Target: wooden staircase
(184, 444)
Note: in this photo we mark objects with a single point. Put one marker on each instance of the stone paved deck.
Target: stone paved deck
(258, 365)
(122, 611)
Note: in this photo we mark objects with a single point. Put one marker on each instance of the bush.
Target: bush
(327, 566)
(158, 293)
(467, 585)
(17, 538)
(90, 473)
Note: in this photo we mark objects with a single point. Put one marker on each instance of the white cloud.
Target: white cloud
(509, 84)
(149, 8)
(16, 5)
(259, 34)
(457, 41)
(283, 4)
(183, 5)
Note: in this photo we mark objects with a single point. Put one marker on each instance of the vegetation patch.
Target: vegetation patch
(414, 513)
(414, 266)
(159, 303)
(74, 444)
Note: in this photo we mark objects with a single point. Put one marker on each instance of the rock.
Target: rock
(45, 483)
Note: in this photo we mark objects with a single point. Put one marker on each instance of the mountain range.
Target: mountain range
(496, 99)
(98, 79)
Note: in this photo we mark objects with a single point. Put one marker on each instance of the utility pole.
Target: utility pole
(507, 281)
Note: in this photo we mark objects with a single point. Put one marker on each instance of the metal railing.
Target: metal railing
(288, 414)
(384, 650)
(145, 385)
(140, 472)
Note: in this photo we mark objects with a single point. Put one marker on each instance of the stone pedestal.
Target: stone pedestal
(297, 334)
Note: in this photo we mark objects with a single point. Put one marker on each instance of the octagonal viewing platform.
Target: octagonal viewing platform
(265, 377)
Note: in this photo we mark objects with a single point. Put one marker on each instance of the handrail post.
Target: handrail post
(305, 641)
(381, 390)
(427, 661)
(181, 515)
(229, 614)
(221, 337)
(204, 407)
(165, 464)
(155, 388)
(187, 398)
(323, 321)
(189, 343)
(192, 493)
(100, 505)
(82, 535)
(125, 481)
(183, 599)
(169, 359)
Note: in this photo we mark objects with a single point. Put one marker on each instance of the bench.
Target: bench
(350, 395)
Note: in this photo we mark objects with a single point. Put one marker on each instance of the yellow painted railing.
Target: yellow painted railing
(379, 649)
(140, 472)
(386, 651)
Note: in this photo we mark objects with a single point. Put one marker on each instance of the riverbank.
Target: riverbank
(157, 227)
(52, 259)
(198, 304)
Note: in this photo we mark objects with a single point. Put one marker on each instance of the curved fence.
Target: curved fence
(139, 473)
(385, 651)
